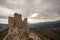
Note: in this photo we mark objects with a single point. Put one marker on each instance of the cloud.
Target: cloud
(33, 15)
(43, 8)
(5, 12)
(5, 21)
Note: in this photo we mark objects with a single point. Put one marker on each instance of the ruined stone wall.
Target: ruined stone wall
(17, 28)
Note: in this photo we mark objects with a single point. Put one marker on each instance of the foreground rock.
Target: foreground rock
(3, 32)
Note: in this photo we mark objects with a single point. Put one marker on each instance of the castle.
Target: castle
(18, 29)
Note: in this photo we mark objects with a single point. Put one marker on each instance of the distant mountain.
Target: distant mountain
(3, 25)
(53, 24)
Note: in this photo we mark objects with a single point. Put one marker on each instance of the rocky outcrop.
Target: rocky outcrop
(18, 29)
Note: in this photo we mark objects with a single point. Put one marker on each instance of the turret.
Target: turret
(10, 23)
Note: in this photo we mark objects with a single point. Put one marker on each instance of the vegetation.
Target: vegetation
(3, 33)
(47, 33)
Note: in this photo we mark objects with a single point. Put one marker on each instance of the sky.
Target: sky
(34, 10)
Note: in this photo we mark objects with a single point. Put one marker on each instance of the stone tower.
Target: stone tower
(18, 28)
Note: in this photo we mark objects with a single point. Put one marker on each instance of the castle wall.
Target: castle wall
(17, 28)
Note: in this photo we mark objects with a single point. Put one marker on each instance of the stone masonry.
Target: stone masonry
(18, 29)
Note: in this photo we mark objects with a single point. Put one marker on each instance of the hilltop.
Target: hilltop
(19, 29)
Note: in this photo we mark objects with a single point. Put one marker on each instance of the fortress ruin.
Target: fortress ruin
(18, 29)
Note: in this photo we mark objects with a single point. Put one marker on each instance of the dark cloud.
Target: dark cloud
(52, 9)
(2, 1)
(3, 17)
(44, 8)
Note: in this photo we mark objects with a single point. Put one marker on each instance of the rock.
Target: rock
(17, 28)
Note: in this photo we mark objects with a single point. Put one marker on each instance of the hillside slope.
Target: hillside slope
(47, 33)
(3, 32)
